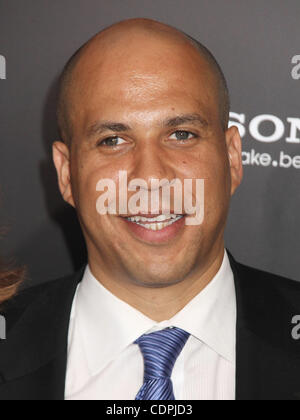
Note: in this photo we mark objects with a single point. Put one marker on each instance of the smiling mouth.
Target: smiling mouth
(155, 223)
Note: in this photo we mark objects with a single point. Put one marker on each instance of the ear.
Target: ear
(61, 158)
(234, 150)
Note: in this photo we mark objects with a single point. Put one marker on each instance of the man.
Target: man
(162, 311)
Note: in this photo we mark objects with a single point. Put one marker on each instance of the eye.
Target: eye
(182, 135)
(112, 141)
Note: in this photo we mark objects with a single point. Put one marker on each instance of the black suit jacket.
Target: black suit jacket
(33, 358)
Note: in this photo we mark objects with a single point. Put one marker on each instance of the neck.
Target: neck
(160, 304)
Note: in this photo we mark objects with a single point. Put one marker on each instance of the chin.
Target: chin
(158, 278)
(161, 272)
(159, 283)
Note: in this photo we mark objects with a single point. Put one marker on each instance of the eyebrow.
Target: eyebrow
(186, 118)
(100, 127)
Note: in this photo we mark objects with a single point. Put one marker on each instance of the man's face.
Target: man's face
(125, 107)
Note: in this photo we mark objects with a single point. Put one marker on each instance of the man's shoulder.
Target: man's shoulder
(254, 279)
(268, 346)
(32, 293)
(37, 323)
(40, 296)
(267, 305)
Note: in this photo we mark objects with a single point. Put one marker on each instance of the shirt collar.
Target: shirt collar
(108, 325)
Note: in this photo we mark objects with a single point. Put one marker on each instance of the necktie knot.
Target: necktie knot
(160, 350)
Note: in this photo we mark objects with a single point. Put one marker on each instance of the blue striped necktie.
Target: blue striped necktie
(160, 350)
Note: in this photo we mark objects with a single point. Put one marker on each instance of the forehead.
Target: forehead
(142, 74)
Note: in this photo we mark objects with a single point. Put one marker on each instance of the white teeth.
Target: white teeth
(160, 218)
(155, 226)
(150, 227)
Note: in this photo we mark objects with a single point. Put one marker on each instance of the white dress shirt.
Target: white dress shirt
(104, 364)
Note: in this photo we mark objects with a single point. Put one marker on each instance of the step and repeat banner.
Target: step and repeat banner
(257, 44)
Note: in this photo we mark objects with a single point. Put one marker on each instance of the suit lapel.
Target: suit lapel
(42, 358)
(267, 361)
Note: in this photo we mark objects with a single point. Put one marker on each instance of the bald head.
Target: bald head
(115, 38)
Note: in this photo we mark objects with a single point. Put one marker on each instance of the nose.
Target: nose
(152, 163)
